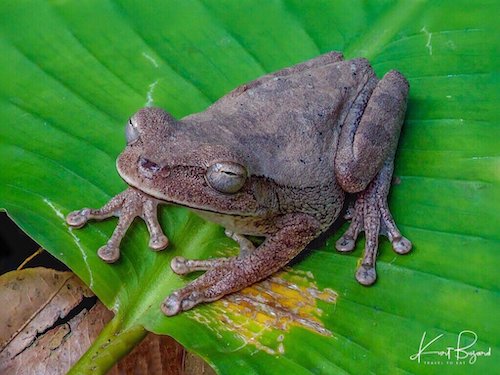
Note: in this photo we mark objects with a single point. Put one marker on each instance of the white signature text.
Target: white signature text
(460, 352)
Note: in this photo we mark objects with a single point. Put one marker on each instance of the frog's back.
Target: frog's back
(286, 124)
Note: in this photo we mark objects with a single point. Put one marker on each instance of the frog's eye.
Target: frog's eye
(226, 177)
(131, 132)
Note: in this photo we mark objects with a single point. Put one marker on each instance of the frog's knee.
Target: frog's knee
(348, 179)
(395, 85)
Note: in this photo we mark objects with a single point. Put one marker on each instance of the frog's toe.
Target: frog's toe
(345, 244)
(109, 254)
(180, 300)
(183, 266)
(366, 274)
(158, 242)
(191, 301)
(79, 218)
(172, 304)
(179, 266)
(401, 245)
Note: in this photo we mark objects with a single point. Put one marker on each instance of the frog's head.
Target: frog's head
(173, 163)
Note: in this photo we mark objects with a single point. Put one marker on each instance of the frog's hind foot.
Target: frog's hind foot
(127, 205)
(371, 215)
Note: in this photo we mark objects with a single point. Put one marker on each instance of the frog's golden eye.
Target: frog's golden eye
(131, 132)
(226, 177)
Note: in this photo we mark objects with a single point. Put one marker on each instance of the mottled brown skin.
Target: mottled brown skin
(273, 158)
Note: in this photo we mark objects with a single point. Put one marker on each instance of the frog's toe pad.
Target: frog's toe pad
(158, 242)
(180, 300)
(172, 305)
(179, 266)
(366, 275)
(345, 244)
(109, 254)
(78, 219)
(401, 245)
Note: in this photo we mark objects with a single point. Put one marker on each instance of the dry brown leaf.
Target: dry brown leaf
(155, 355)
(195, 365)
(59, 348)
(34, 300)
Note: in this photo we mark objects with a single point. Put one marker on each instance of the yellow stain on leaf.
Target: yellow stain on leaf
(261, 314)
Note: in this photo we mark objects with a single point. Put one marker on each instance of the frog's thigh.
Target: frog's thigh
(296, 231)
(363, 148)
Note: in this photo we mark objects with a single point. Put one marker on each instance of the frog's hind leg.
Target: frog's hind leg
(364, 165)
(183, 266)
(370, 133)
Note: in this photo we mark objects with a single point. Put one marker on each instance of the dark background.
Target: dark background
(16, 246)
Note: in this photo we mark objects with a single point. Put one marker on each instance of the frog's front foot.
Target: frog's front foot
(371, 215)
(127, 205)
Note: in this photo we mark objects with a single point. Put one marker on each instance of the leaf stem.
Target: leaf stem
(111, 345)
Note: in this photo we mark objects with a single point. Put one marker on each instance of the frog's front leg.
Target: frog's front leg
(294, 232)
(364, 164)
(127, 206)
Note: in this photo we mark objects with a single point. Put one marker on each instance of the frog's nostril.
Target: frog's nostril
(147, 167)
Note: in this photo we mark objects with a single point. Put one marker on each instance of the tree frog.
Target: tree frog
(273, 158)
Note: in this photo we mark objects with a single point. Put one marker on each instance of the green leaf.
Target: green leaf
(74, 71)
